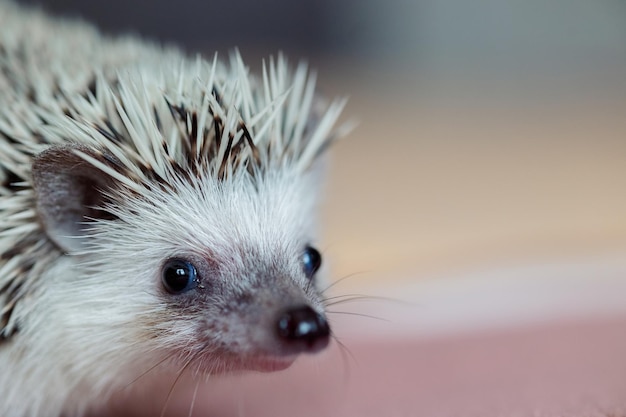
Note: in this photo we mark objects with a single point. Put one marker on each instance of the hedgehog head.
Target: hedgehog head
(186, 205)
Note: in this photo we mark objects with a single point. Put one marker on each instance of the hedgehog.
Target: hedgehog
(156, 210)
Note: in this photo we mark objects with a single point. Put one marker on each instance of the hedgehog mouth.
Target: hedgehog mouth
(259, 362)
(225, 361)
(267, 363)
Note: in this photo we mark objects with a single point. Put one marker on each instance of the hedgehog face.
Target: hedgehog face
(238, 267)
(224, 271)
(249, 312)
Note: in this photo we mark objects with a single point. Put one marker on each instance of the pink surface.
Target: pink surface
(561, 369)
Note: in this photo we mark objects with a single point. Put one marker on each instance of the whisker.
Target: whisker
(352, 275)
(345, 295)
(345, 349)
(171, 391)
(153, 367)
(193, 399)
(346, 357)
(357, 297)
(351, 313)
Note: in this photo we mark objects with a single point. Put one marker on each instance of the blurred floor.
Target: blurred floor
(566, 370)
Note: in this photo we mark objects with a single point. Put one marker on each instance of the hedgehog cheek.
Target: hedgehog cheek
(67, 192)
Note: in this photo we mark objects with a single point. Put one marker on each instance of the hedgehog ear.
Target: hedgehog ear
(68, 193)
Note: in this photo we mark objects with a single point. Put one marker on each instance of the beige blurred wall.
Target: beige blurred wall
(491, 132)
(433, 181)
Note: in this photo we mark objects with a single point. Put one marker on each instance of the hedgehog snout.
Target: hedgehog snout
(302, 329)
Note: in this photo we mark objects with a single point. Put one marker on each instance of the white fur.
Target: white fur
(88, 322)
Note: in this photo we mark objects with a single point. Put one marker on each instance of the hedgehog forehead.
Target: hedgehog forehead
(268, 214)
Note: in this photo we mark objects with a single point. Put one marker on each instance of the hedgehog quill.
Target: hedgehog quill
(153, 208)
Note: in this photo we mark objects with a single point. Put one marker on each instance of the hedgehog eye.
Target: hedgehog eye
(311, 261)
(179, 276)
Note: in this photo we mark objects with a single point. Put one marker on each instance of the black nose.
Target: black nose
(303, 328)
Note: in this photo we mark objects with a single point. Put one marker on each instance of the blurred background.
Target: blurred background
(485, 183)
